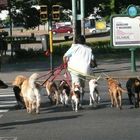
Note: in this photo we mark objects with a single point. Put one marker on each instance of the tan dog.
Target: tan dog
(115, 92)
(52, 92)
(19, 80)
(31, 93)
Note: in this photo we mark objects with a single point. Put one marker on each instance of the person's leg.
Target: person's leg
(74, 79)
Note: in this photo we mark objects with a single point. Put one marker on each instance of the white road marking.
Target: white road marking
(7, 100)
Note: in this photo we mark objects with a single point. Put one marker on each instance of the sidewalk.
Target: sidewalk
(119, 68)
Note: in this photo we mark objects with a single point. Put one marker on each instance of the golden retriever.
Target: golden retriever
(31, 93)
(115, 92)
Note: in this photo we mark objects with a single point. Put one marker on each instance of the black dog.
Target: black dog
(3, 85)
(133, 88)
(20, 101)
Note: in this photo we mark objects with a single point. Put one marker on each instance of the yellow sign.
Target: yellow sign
(100, 25)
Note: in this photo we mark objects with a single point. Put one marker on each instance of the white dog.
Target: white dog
(75, 97)
(30, 91)
(64, 90)
(93, 88)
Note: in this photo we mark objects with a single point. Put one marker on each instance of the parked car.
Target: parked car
(94, 30)
(62, 29)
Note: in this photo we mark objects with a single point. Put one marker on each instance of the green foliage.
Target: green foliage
(101, 49)
(23, 54)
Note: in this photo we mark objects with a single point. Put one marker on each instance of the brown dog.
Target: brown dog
(115, 92)
(52, 92)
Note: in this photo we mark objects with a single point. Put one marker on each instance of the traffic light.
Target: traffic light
(43, 13)
(56, 11)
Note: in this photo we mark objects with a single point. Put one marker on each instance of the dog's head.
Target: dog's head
(137, 82)
(19, 80)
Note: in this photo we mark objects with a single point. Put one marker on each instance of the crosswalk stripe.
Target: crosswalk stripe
(7, 100)
(8, 138)
(4, 110)
(7, 95)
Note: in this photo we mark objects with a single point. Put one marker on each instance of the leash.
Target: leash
(56, 72)
(78, 72)
(106, 76)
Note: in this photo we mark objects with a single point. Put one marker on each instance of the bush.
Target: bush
(100, 49)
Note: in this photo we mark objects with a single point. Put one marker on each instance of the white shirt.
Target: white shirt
(79, 56)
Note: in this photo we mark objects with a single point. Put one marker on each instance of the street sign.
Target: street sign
(132, 11)
(125, 31)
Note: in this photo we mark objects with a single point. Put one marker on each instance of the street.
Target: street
(58, 123)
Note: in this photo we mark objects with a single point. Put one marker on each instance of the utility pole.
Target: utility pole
(78, 15)
(10, 16)
(50, 33)
(74, 19)
(83, 17)
(10, 20)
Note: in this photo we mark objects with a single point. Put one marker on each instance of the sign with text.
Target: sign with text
(125, 31)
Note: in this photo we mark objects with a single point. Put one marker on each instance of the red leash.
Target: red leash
(54, 73)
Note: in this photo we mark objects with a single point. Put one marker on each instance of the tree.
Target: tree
(25, 14)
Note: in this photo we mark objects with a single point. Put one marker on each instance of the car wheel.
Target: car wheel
(93, 31)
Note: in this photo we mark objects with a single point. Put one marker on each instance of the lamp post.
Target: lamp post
(10, 16)
(50, 33)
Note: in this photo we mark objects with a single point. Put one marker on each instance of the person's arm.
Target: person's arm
(68, 54)
(65, 59)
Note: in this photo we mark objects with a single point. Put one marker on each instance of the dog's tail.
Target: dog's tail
(32, 79)
(121, 89)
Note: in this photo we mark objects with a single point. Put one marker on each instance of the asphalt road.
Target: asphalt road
(58, 123)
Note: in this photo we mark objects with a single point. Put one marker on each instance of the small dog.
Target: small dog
(18, 81)
(75, 97)
(93, 84)
(52, 92)
(115, 92)
(133, 89)
(64, 90)
(30, 91)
